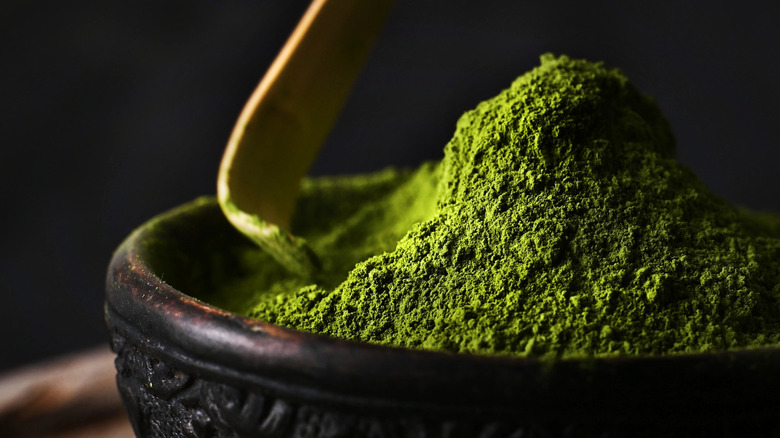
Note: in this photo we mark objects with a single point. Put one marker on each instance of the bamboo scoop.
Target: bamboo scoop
(286, 120)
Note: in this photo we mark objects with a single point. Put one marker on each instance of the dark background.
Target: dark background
(115, 111)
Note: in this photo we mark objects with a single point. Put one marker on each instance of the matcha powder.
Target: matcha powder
(558, 224)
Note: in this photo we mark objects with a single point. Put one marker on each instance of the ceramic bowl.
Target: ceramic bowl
(188, 369)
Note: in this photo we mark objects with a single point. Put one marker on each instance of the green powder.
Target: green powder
(558, 224)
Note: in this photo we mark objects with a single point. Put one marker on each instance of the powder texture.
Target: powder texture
(558, 224)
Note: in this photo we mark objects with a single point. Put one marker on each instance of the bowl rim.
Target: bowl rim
(221, 345)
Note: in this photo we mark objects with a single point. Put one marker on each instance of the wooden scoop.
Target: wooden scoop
(286, 120)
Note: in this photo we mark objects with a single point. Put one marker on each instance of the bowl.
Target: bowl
(188, 369)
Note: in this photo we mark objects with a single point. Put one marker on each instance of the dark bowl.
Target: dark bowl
(188, 369)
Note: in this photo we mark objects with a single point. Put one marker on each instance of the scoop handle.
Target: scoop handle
(292, 110)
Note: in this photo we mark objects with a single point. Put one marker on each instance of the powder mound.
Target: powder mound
(563, 114)
(562, 227)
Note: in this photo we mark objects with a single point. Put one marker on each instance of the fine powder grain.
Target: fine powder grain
(558, 224)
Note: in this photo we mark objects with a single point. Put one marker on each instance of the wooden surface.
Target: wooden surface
(71, 396)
